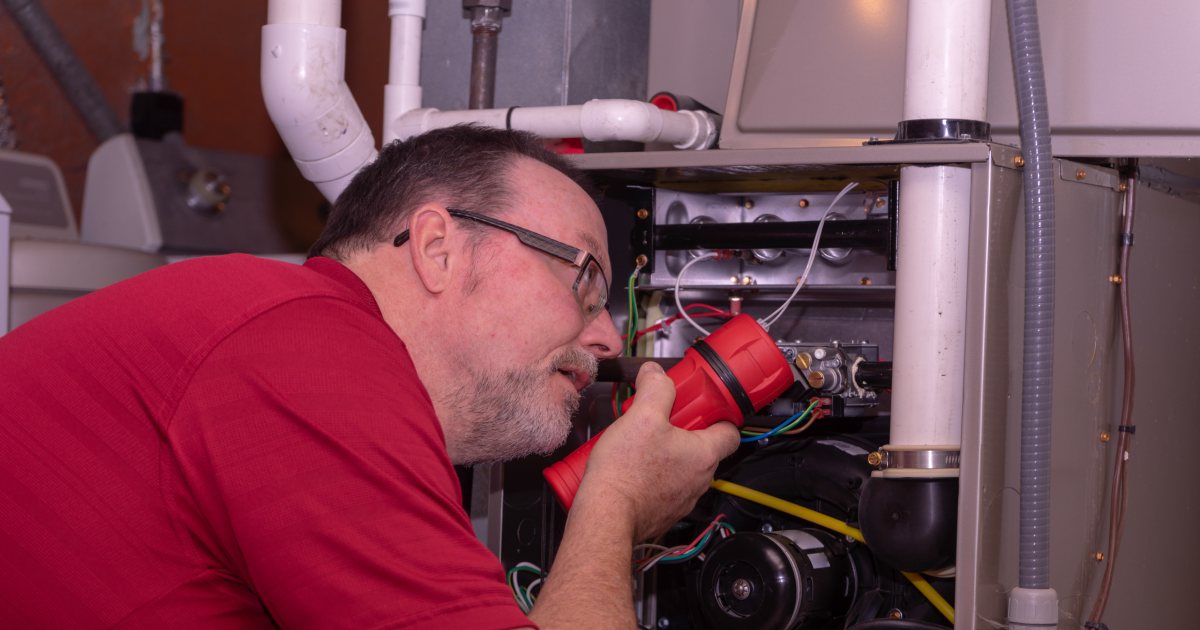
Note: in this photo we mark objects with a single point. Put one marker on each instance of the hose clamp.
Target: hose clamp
(927, 459)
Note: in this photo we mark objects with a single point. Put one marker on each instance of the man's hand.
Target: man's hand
(646, 468)
(643, 475)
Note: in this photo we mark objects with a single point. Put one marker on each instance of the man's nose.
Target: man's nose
(600, 337)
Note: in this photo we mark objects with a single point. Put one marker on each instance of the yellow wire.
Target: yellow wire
(834, 524)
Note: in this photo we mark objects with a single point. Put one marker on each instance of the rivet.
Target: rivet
(865, 281)
(1099, 556)
(1124, 187)
(733, 279)
(748, 204)
(1019, 161)
(747, 280)
(642, 213)
(1081, 174)
(880, 202)
(1104, 436)
(1115, 279)
(803, 203)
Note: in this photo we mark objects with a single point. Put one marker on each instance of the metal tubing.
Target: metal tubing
(77, 83)
(485, 31)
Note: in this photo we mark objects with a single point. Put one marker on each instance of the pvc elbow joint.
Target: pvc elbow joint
(311, 106)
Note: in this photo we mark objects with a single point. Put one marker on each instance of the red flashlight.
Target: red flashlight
(728, 375)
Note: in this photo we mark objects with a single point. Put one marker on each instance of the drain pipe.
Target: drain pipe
(403, 90)
(304, 88)
(1033, 604)
(598, 120)
(909, 508)
(76, 82)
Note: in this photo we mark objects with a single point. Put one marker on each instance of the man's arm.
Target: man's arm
(643, 476)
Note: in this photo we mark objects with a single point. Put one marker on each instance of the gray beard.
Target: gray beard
(501, 416)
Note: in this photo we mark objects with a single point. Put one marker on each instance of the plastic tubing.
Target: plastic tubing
(1038, 366)
(403, 90)
(828, 522)
(598, 120)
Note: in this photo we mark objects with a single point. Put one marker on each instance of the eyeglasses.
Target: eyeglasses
(591, 285)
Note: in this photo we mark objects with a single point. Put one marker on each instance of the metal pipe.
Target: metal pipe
(77, 83)
(485, 32)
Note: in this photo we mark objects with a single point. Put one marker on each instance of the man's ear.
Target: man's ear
(434, 257)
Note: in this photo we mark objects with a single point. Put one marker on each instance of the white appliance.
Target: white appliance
(43, 264)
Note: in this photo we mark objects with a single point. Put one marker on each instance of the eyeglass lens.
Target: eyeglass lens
(591, 290)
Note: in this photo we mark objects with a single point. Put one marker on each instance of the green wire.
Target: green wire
(631, 327)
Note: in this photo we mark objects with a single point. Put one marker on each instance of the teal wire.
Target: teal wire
(786, 425)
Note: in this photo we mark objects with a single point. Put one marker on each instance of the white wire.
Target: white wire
(679, 280)
(529, 593)
(774, 316)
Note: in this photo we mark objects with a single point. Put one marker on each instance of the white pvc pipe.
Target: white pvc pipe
(318, 13)
(931, 313)
(402, 93)
(945, 78)
(597, 120)
(304, 88)
(946, 63)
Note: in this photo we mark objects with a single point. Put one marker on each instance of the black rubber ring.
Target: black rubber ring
(727, 377)
(1127, 428)
(508, 117)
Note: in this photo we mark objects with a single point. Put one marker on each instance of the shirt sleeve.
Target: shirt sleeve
(313, 468)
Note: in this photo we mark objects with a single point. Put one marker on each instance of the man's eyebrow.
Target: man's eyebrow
(592, 244)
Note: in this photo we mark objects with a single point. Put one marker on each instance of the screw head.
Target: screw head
(1104, 436)
(747, 280)
(865, 281)
(1019, 161)
(1099, 556)
(1080, 174)
(880, 202)
(875, 458)
(642, 213)
(641, 260)
(741, 588)
(748, 203)
(1124, 187)
(803, 203)
(733, 279)
(1115, 279)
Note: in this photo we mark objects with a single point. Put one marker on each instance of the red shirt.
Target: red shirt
(230, 442)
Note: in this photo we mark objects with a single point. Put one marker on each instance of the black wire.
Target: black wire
(896, 624)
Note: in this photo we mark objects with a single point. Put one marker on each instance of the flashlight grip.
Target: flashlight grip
(735, 371)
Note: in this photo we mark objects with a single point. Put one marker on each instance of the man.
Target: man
(234, 442)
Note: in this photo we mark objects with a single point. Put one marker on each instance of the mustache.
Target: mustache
(576, 359)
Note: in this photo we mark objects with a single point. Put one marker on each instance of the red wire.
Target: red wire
(674, 318)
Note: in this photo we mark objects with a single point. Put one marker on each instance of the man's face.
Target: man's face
(531, 350)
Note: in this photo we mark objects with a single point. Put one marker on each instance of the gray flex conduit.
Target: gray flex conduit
(76, 81)
(1039, 294)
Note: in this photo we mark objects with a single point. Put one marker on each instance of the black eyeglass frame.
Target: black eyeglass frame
(574, 256)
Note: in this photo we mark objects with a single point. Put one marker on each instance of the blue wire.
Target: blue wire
(782, 426)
